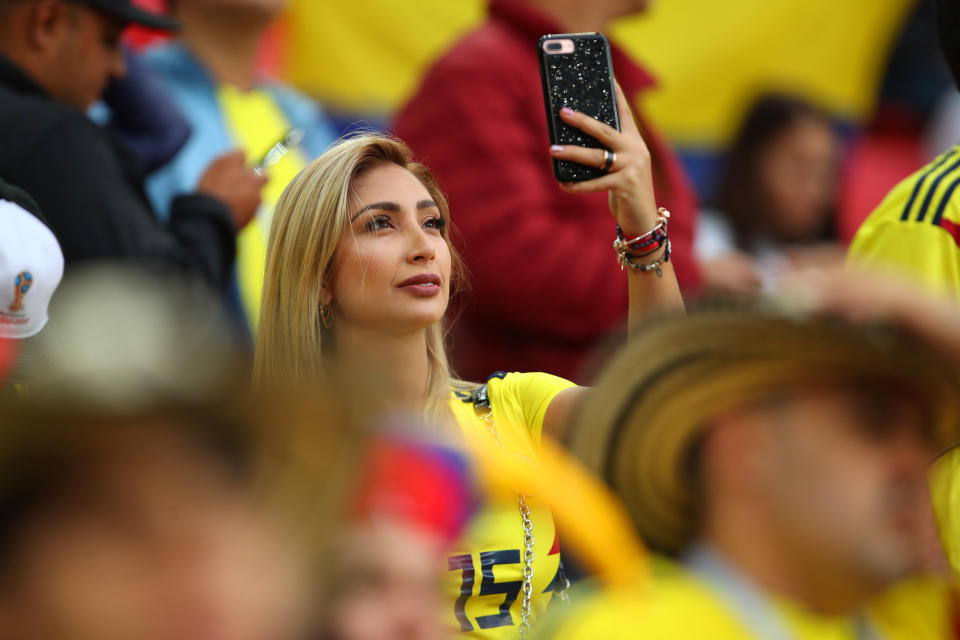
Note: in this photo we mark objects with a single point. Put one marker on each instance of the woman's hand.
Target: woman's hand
(630, 179)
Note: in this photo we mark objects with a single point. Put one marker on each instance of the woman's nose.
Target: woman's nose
(422, 249)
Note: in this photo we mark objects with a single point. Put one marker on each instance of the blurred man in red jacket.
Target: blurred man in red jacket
(478, 121)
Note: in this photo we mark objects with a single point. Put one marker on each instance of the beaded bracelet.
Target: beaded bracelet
(645, 245)
(656, 266)
(655, 235)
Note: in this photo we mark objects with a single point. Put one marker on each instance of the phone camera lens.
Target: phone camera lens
(554, 46)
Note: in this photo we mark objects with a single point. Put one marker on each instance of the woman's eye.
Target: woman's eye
(436, 223)
(377, 223)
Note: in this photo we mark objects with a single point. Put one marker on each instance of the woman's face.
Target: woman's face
(392, 270)
(799, 173)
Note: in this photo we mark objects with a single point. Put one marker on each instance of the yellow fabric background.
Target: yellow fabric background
(711, 57)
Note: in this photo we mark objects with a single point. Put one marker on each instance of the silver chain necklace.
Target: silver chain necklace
(527, 590)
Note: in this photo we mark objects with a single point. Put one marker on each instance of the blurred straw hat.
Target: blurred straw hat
(639, 427)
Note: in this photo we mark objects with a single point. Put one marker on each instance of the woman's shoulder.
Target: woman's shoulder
(526, 384)
(512, 384)
(519, 401)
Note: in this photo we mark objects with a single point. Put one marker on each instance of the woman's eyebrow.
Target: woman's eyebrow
(393, 206)
(383, 206)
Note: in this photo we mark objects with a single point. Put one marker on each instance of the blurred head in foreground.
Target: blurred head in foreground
(139, 525)
(140, 464)
(140, 495)
(409, 503)
(795, 449)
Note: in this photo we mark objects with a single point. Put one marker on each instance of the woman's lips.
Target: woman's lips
(424, 285)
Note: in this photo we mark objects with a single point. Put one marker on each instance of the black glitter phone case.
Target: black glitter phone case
(583, 81)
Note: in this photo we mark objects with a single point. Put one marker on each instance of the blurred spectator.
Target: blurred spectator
(543, 289)
(411, 501)
(140, 524)
(774, 200)
(916, 229)
(782, 461)
(56, 58)
(211, 74)
(122, 336)
(893, 298)
(139, 111)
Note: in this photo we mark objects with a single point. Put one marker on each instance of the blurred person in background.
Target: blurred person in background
(210, 71)
(773, 206)
(138, 110)
(916, 229)
(359, 273)
(56, 58)
(410, 502)
(780, 460)
(481, 105)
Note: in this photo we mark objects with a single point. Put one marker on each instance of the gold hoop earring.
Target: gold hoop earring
(325, 315)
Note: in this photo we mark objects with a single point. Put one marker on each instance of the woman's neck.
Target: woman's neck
(226, 43)
(396, 364)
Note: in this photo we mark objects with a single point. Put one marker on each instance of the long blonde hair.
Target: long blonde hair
(308, 222)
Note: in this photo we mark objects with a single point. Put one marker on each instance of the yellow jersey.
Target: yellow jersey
(916, 229)
(945, 494)
(679, 605)
(486, 565)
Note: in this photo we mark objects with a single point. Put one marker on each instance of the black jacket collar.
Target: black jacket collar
(17, 79)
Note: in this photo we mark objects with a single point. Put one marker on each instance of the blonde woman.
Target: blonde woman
(360, 269)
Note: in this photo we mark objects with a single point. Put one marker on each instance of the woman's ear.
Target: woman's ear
(326, 295)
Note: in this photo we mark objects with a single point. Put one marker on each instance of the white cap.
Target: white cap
(31, 266)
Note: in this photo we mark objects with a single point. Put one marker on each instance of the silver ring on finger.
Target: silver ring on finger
(609, 157)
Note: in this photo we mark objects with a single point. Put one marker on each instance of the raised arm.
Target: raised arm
(632, 203)
(629, 184)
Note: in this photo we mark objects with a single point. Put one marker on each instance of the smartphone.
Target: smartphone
(577, 72)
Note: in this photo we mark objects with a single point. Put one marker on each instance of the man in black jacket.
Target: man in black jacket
(56, 57)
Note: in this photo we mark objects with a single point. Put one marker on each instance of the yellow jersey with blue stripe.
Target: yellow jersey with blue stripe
(916, 229)
(916, 232)
(486, 565)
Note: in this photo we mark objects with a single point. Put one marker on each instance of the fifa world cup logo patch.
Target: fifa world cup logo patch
(21, 284)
